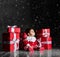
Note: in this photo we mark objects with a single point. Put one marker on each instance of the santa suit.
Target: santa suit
(30, 42)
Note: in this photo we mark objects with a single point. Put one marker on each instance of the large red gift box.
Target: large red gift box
(13, 29)
(47, 43)
(11, 39)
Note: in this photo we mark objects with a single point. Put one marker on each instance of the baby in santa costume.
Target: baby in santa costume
(30, 42)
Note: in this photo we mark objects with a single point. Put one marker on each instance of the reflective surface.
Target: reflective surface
(46, 53)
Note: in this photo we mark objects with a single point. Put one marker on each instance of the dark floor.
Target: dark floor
(50, 53)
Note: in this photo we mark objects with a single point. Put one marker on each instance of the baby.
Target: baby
(30, 42)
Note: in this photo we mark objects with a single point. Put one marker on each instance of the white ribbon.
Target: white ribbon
(47, 42)
(15, 41)
(12, 28)
(15, 44)
(8, 26)
(39, 41)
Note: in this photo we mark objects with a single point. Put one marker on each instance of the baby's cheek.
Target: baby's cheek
(32, 34)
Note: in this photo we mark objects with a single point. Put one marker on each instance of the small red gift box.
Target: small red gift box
(13, 29)
(47, 43)
(10, 36)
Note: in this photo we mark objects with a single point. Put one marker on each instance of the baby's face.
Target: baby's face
(31, 32)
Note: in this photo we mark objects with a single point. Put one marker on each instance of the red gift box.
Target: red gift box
(13, 29)
(47, 43)
(10, 36)
(11, 46)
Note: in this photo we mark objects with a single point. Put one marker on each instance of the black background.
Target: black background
(31, 13)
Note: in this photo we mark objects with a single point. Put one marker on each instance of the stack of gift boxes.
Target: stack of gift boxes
(45, 39)
(11, 39)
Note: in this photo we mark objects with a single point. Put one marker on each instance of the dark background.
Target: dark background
(31, 13)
